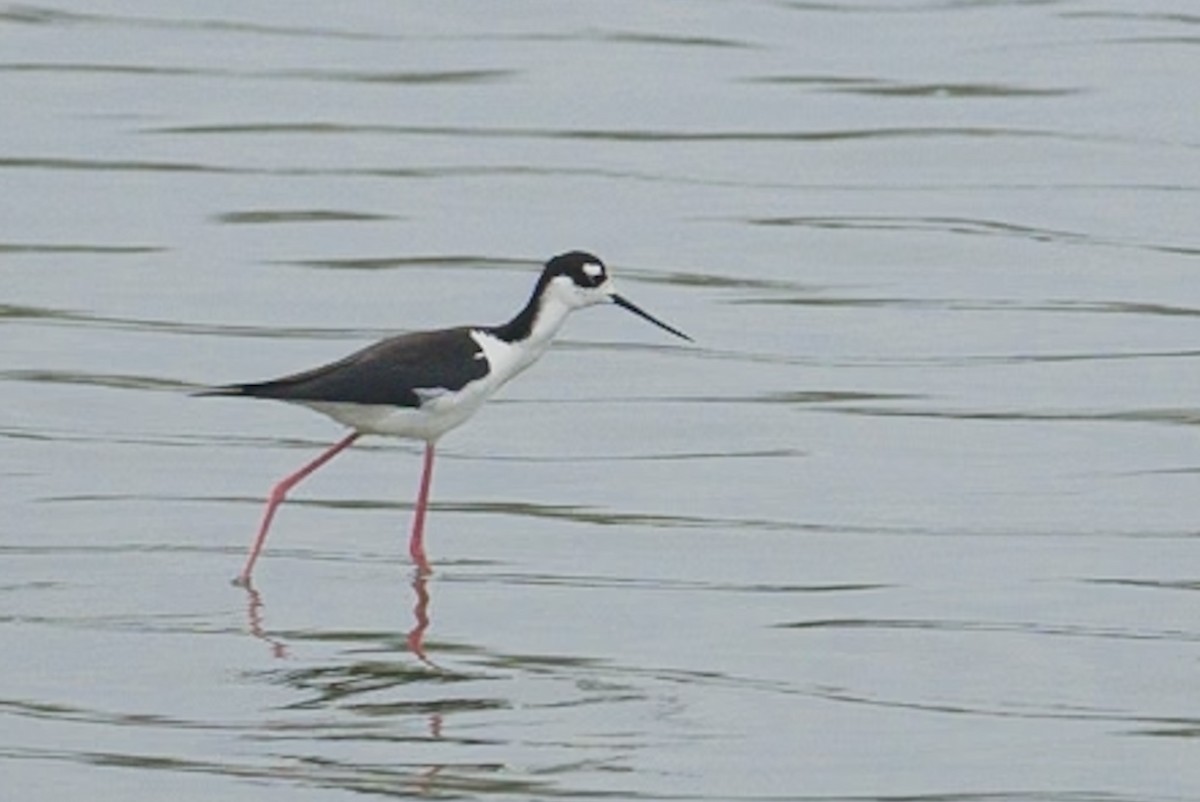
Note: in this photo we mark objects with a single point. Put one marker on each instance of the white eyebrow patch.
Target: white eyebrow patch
(592, 269)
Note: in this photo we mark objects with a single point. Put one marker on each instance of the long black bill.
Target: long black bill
(624, 304)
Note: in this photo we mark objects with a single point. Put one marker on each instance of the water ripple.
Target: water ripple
(111, 381)
(888, 88)
(410, 77)
(1019, 627)
(614, 134)
(56, 248)
(1185, 416)
(967, 226)
(116, 165)
(260, 216)
(41, 15)
(87, 319)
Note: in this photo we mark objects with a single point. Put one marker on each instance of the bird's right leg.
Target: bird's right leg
(279, 493)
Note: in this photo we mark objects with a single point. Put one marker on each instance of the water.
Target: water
(915, 517)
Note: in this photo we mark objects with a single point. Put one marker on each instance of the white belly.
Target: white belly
(428, 422)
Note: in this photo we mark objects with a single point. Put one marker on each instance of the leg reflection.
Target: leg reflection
(416, 635)
(254, 622)
(255, 619)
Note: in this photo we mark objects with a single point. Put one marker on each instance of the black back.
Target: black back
(388, 372)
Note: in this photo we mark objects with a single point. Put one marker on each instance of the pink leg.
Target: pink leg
(416, 546)
(278, 493)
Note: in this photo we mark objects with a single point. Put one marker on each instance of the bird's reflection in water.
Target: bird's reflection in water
(416, 635)
(254, 622)
(256, 617)
(337, 681)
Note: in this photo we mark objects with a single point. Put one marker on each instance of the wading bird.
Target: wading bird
(422, 385)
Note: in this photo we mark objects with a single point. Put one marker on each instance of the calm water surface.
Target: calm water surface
(916, 517)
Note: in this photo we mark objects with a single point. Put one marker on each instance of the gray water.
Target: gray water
(916, 517)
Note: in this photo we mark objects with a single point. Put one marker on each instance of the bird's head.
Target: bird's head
(578, 279)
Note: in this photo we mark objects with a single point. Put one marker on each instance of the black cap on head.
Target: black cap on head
(583, 268)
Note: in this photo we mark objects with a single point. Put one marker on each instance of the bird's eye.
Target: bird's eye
(594, 274)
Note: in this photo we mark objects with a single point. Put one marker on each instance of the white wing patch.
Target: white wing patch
(427, 394)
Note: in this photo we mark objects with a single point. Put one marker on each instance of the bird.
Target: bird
(420, 385)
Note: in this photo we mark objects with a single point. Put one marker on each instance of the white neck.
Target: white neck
(507, 359)
(551, 314)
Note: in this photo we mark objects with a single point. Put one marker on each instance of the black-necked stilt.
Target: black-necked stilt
(422, 385)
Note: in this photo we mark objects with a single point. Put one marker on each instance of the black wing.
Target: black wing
(388, 372)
